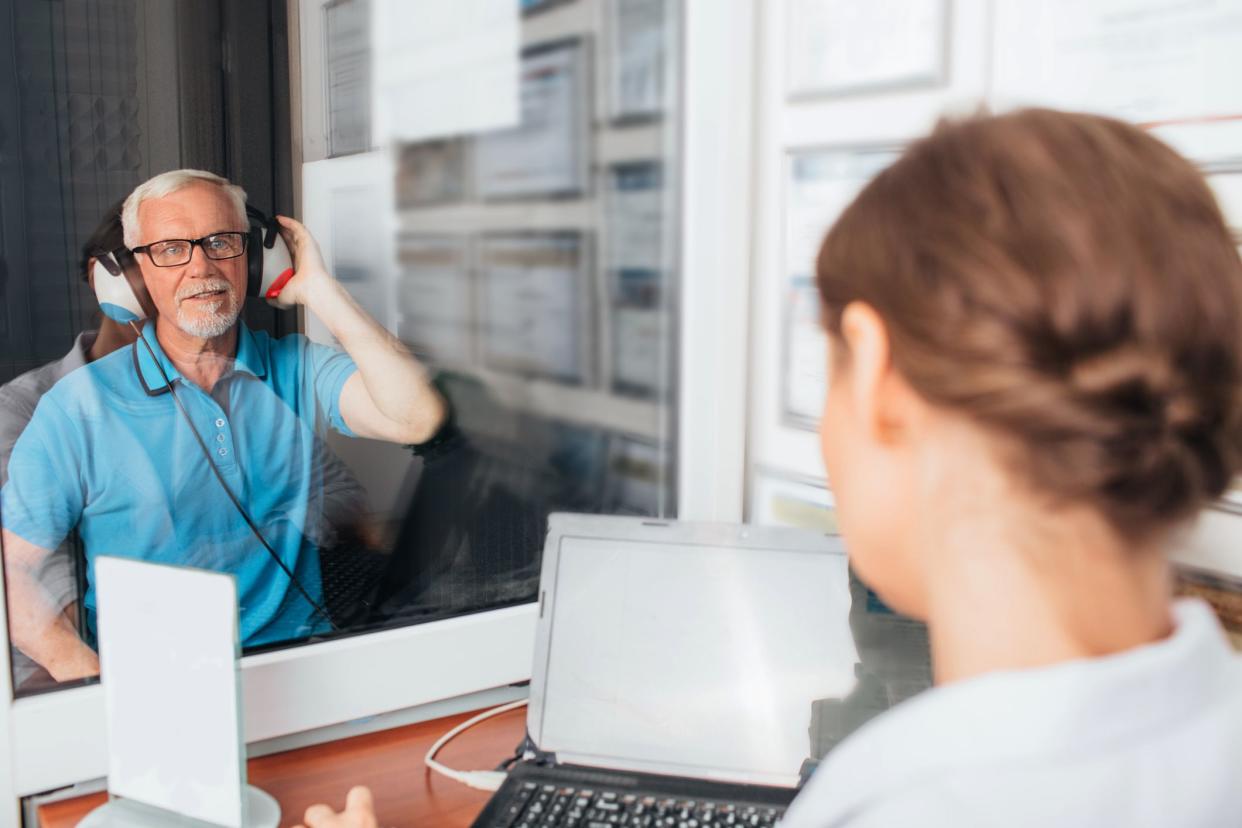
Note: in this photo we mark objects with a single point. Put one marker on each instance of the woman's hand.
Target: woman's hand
(359, 812)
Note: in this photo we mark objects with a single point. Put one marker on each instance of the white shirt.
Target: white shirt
(1149, 737)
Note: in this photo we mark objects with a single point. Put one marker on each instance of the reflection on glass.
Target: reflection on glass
(434, 298)
(348, 76)
(532, 305)
(637, 264)
(546, 154)
(894, 663)
(532, 289)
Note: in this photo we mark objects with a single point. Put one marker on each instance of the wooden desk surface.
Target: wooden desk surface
(389, 762)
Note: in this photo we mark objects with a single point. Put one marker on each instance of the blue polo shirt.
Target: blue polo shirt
(108, 452)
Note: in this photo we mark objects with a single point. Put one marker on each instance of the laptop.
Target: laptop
(675, 669)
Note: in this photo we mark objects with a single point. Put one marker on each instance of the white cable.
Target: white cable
(483, 780)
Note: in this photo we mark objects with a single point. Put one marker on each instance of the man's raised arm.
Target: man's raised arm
(390, 397)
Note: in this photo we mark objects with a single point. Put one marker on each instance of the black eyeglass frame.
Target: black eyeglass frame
(146, 248)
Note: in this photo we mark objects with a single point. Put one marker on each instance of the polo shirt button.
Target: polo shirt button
(219, 422)
(224, 452)
(219, 438)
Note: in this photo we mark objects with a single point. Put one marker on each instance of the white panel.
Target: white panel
(443, 67)
(168, 648)
(895, 115)
(716, 250)
(1171, 67)
(1228, 190)
(876, 120)
(1215, 543)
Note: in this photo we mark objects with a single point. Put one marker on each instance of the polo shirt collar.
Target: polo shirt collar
(1017, 715)
(250, 359)
(148, 368)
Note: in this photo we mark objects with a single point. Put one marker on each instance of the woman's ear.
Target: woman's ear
(883, 402)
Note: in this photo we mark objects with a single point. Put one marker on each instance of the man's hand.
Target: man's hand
(389, 397)
(308, 267)
(359, 812)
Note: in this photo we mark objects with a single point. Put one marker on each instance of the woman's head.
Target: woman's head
(1061, 287)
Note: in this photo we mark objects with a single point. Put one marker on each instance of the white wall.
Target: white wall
(995, 52)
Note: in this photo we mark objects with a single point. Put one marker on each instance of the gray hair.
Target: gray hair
(167, 183)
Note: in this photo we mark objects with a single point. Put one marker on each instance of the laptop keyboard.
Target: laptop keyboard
(559, 806)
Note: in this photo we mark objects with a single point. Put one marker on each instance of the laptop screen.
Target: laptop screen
(693, 659)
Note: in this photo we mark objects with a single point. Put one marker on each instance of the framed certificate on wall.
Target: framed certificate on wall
(820, 184)
(547, 154)
(637, 30)
(435, 300)
(845, 47)
(535, 304)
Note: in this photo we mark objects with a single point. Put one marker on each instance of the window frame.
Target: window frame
(60, 736)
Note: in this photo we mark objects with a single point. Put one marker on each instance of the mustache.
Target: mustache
(204, 286)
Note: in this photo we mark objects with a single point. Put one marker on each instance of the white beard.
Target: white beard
(213, 320)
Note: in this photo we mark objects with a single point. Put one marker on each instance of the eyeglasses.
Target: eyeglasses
(174, 252)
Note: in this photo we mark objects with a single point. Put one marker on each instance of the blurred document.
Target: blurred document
(636, 262)
(168, 649)
(806, 355)
(636, 216)
(348, 76)
(841, 46)
(547, 153)
(782, 500)
(531, 304)
(638, 352)
(443, 67)
(821, 185)
(432, 172)
(635, 477)
(434, 298)
(638, 31)
(1173, 67)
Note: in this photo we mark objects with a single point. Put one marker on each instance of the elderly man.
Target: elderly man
(199, 444)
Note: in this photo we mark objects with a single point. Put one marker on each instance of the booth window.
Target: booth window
(527, 267)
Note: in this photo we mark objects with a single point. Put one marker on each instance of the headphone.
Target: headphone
(268, 263)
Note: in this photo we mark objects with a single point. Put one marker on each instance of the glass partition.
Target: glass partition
(502, 348)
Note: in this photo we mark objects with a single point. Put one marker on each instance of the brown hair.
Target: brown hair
(1068, 282)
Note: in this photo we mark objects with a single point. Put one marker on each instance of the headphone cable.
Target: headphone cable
(228, 491)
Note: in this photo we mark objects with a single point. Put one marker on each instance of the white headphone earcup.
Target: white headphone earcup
(116, 297)
(277, 269)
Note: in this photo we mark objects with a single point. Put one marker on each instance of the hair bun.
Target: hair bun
(1157, 438)
(1141, 384)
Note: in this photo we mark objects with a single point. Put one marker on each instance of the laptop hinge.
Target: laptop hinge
(543, 758)
(530, 752)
